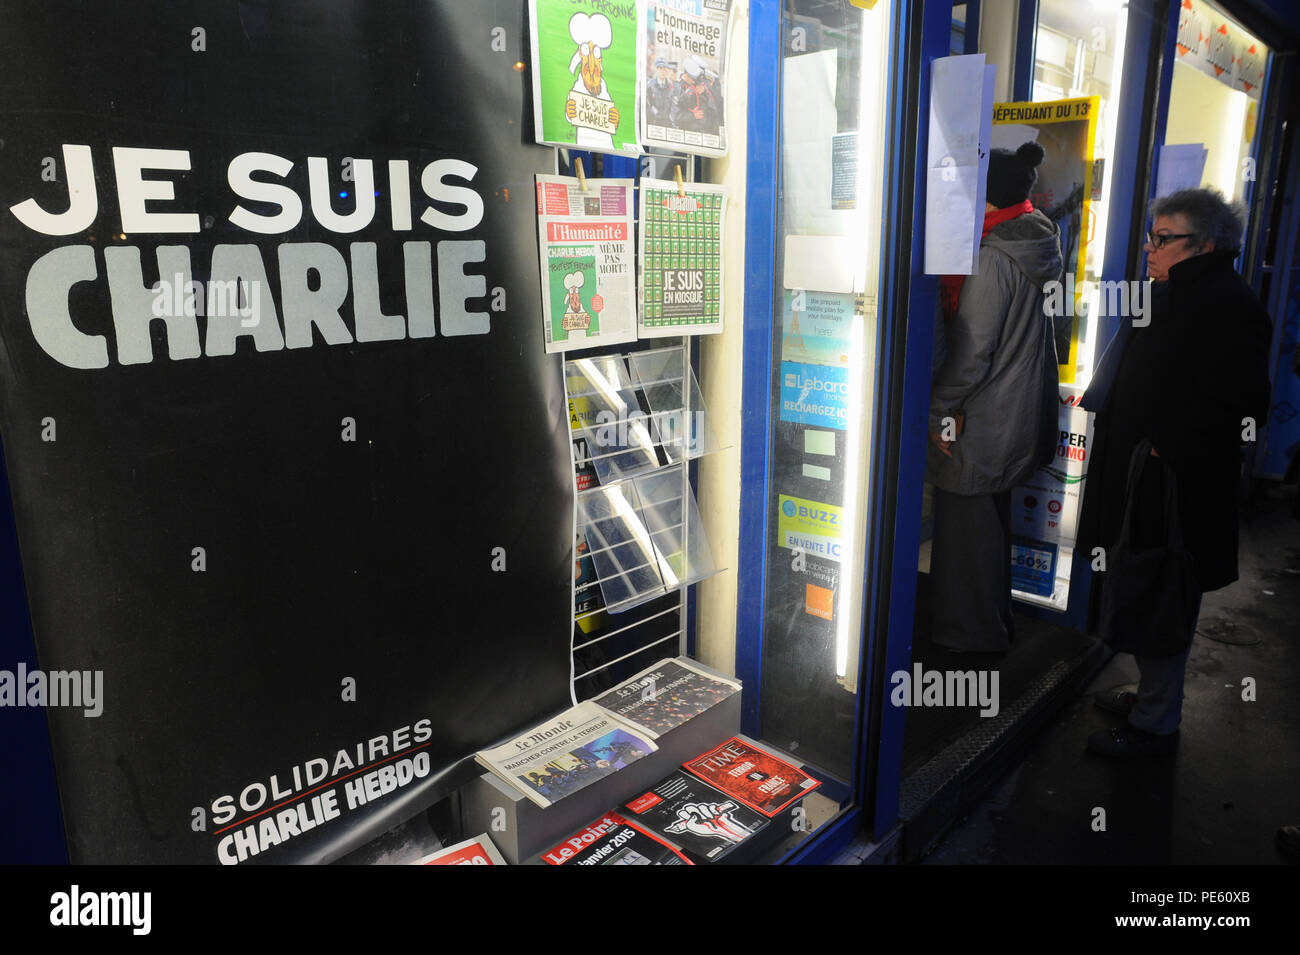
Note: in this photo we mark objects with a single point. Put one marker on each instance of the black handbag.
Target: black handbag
(1150, 596)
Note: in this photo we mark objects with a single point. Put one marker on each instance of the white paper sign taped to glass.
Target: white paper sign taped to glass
(844, 171)
(824, 263)
(684, 97)
(1182, 166)
(585, 243)
(961, 101)
(681, 258)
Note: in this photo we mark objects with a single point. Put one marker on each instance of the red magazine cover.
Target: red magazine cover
(612, 840)
(753, 776)
(477, 851)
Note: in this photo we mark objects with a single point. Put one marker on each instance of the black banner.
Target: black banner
(289, 467)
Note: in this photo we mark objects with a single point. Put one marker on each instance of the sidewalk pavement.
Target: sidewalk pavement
(1236, 775)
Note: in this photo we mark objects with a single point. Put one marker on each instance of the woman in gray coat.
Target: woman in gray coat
(993, 407)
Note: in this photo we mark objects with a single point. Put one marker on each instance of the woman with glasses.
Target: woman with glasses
(1184, 379)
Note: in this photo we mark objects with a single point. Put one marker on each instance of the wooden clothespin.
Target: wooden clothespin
(582, 176)
(677, 175)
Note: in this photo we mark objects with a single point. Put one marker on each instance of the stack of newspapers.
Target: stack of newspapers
(599, 737)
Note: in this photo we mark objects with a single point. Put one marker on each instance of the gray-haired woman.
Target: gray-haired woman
(1186, 382)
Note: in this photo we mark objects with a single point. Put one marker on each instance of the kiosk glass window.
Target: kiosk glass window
(1078, 58)
(1214, 104)
(957, 33)
(1078, 52)
(834, 95)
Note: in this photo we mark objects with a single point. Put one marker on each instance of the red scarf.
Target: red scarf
(699, 90)
(950, 285)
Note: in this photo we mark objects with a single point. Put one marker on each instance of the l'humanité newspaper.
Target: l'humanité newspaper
(557, 758)
(585, 243)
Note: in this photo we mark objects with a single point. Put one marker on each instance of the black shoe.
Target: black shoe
(1123, 742)
(1115, 701)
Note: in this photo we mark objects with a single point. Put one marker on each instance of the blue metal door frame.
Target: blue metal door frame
(762, 177)
(1135, 142)
(971, 38)
(1284, 258)
(901, 398)
(762, 165)
(1022, 83)
(909, 301)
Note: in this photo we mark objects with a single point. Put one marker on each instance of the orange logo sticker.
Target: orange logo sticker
(820, 602)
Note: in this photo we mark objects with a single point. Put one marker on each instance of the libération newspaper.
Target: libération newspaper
(585, 242)
(557, 758)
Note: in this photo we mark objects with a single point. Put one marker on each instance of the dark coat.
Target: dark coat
(1185, 382)
(689, 98)
(659, 101)
(999, 369)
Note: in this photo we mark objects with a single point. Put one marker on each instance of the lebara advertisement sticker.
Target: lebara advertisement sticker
(815, 394)
(810, 526)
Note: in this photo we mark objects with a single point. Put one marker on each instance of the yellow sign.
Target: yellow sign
(582, 411)
(1067, 131)
(810, 526)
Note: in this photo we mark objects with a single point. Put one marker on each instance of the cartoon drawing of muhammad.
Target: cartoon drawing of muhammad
(589, 107)
(575, 316)
(712, 820)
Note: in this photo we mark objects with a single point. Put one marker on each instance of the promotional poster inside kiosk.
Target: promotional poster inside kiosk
(365, 373)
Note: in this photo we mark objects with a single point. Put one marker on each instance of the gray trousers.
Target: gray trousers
(970, 568)
(1159, 707)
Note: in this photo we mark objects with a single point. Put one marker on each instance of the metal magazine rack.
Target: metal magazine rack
(638, 420)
